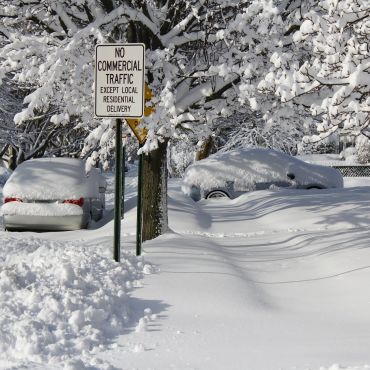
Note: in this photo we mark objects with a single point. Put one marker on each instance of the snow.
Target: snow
(270, 280)
(41, 209)
(62, 300)
(249, 166)
(323, 159)
(52, 179)
(347, 157)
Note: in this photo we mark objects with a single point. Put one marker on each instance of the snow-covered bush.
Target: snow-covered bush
(251, 131)
(324, 146)
(349, 155)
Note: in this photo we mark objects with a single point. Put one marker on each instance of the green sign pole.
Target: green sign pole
(123, 180)
(118, 194)
(139, 219)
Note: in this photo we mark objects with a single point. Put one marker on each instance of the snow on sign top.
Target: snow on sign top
(119, 80)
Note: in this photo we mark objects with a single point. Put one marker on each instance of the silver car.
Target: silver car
(233, 173)
(53, 194)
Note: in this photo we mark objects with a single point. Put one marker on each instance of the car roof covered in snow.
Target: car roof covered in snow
(53, 178)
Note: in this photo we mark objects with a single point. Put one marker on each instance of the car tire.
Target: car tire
(216, 194)
(97, 214)
(314, 187)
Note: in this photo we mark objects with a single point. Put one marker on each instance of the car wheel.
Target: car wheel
(217, 194)
(314, 187)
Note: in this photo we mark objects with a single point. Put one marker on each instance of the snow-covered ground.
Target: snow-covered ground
(270, 280)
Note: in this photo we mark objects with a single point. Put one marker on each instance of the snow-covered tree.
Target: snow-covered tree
(34, 137)
(203, 58)
(9, 103)
(328, 74)
(277, 62)
(251, 130)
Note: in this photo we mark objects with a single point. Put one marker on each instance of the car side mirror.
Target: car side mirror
(291, 176)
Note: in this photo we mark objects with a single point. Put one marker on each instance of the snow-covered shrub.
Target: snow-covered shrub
(325, 146)
(349, 155)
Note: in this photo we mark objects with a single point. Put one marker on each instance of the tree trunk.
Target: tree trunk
(155, 217)
(154, 201)
(12, 161)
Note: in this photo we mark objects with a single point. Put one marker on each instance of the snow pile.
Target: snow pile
(60, 301)
(41, 209)
(247, 167)
(53, 178)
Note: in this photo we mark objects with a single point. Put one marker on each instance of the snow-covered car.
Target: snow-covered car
(53, 194)
(233, 173)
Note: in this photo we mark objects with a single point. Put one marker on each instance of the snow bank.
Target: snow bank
(53, 178)
(250, 166)
(61, 301)
(41, 209)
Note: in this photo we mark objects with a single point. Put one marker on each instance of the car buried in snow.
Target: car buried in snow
(53, 194)
(233, 173)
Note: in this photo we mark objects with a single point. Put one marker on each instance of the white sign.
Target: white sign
(119, 80)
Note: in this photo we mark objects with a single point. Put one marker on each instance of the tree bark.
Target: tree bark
(12, 161)
(155, 216)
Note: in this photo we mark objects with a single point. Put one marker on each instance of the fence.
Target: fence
(354, 171)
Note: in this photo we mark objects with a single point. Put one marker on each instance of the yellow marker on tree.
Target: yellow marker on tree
(141, 133)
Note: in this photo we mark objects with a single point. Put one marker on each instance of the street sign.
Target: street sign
(119, 80)
(119, 93)
(141, 133)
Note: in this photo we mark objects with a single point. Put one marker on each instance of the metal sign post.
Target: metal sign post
(119, 93)
(139, 215)
(123, 180)
(118, 194)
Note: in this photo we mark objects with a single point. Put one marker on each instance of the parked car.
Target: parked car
(53, 194)
(233, 173)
